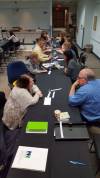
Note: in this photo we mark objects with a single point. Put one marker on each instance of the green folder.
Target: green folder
(36, 127)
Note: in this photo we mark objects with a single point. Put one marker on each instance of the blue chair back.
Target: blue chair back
(15, 70)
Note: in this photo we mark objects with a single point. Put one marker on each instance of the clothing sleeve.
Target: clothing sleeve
(11, 37)
(78, 98)
(26, 99)
(70, 67)
(35, 89)
(43, 57)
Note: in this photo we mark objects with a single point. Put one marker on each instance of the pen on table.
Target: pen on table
(56, 89)
(49, 93)
(53, 95)
(49, 72)
(77, 163)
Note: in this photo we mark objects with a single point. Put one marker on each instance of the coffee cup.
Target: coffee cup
(57, 114)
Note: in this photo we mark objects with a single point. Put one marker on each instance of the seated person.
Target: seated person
(46, 38)
(72, 68)
(82, 59)
(32, 64)
(38, 49)
(62, 37)
(18, 101)
(73, 47)
(13, 40)
(15, 108)
(87, 96)
(67, 46)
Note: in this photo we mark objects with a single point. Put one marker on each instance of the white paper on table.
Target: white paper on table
(47, 101)
(53, 95)
(49, 72)
(61, 129)
(31, 158)
(49, 94)
(60, 59)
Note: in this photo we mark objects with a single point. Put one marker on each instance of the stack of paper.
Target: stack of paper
(31, 158)
(64, 116)
(36, 127)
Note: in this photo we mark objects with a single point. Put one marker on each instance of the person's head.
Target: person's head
(62, 34)
(44, 35)
(41, 42)
(11, 33)
(66, 45)
(25, 81)
(86, 75)
(68, 55)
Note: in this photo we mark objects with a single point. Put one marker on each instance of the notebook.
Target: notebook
(37, 127)
(71, 132)
(31, 158)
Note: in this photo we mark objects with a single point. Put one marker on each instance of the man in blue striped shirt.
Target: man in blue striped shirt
(87, 96)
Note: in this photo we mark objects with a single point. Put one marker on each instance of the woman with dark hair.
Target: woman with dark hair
(62, 37)
(15, 108)
(18, 101)
(46, 38)
(44, 35)
(13, 40)
(72, 68)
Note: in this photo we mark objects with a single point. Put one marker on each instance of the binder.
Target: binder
(37, 127)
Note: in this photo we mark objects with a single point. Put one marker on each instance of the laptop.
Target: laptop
(71, 131)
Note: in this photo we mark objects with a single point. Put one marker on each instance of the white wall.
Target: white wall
(80, 22)
(95, 35)
(84, 22)
(30, 15)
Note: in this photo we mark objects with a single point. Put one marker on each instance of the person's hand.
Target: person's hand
(44, 71)
(59, 50)
(76, 83)
(73, 88)
(50, 57)
(65, 70)
(40, 94)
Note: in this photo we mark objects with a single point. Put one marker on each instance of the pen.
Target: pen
(56, 89)
(49, 94)
(77, 163)
(53, 95)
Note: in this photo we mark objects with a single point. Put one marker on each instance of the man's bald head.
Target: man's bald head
(86, 73)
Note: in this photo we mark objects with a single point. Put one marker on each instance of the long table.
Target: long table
(60, 152)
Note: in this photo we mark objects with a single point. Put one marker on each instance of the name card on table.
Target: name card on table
(47, 101)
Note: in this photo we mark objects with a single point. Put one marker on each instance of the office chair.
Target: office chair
(15, 70)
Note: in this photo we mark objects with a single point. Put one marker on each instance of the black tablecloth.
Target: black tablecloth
(60, 152)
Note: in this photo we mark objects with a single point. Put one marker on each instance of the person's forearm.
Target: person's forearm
(35, 89)
(72, 90)
(35, 98)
